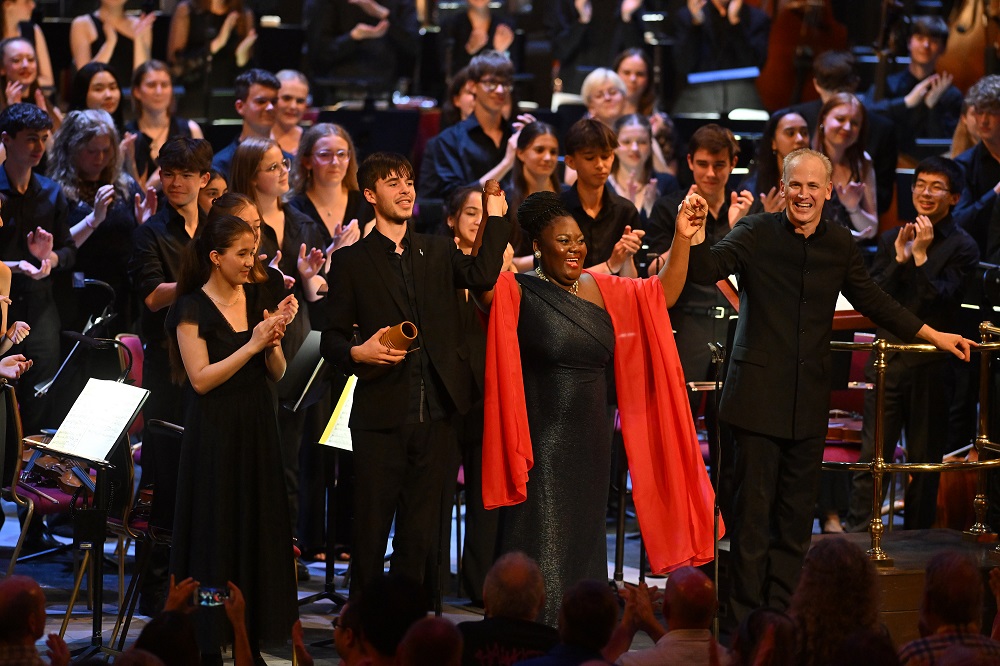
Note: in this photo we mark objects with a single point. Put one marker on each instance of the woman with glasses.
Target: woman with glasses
(325, 186)
(604, 92)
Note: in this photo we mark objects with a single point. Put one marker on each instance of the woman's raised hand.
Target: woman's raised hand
(268, 332)
(495, 201)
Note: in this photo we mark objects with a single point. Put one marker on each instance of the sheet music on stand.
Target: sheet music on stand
(100, 416)
(337, 433)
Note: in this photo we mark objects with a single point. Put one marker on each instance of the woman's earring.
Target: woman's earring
(538, 254)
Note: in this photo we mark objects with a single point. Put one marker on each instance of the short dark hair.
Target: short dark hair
(931, 26)
(23, 116)
(590, 134)
(942, 166)
(252, 76)
(186, 154)
(588, 615)
(379, 166)
(389, 606)
(953, 588)
(487, 63)
(834, 71)
(715, 139)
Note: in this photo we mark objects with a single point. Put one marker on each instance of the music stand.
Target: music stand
(306, 378)
(96, 423)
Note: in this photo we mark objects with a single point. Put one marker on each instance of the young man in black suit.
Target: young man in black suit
(404, 447)
(792, 265)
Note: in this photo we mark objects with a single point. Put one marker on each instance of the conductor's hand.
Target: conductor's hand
(952, 342)
(373, 352)
(691, 216)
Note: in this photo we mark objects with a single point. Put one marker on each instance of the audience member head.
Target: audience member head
(460, 99)
(537, 155)
(953, 593)
(184, 169)
(96, 86)
(842, 130)
(632, 67)
(603, 93)
(514, 587)
(388, 607)
(784, 132)
(635, 146)
(870, 646)
(937, 186)
(24, 129)
(493, 77)
(966, 133)
(833, 72)
(588, 615)
(152, 88)
(19, 64)
(85, 150)
(256, 99)
(689, 600)
(765, 637)
(836, 595)
(216, 187)
(539, 211)
(712, 154)
(259, 170)
(806, 178)
(464, 214)
(928, 39)
(171, 637)
(984, 98)
(590, 150)
(347, 633)
(386, 179)
(431, 641)
(22, 611)
(326, 158)
(293, 98)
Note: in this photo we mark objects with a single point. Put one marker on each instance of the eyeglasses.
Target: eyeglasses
(283, 164)
(492, 84)
(329, 156)
(936, 189)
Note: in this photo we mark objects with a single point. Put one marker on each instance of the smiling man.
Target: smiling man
(923, 265)
(405, 453)
(791, 266)
(256, 103)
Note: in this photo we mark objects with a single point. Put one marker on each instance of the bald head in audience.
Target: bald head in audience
(432, 641)
(514, 588)
(689, 600)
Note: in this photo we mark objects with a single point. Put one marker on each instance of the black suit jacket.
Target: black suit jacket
(779, 378)
(362, 292)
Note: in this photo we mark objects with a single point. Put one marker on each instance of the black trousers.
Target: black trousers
(38, 309)
(777, 481)
(917, 402)
(400, 472)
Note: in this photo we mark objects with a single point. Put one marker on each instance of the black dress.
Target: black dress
(231, 522)
(122, 58)
(567, 344)
(144, 162)
(357, 208)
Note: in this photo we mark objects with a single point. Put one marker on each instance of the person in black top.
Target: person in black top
(587, 34)
(610, 223)
(923, 265)
(920, 101)
(982, 168)
(96, 86)
(478, 148)
(469, 33)
(365, 42)
(35, 239)
(16, 21)
(719, 34)
(112, 37)
(154, 268)
(256, 103)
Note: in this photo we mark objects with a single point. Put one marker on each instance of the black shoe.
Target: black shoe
(301, 571)
(38, 543)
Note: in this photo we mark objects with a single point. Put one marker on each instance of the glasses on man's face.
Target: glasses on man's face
(934, 189)
(283, 164)
(491, 84)
(330, 156)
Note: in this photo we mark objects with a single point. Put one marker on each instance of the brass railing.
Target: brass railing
(879, 467)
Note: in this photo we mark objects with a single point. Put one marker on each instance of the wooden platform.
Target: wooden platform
(901, 585)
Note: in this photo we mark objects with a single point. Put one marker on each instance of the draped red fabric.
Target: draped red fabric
(671, 490)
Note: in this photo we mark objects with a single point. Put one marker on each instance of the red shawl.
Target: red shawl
(672, 493)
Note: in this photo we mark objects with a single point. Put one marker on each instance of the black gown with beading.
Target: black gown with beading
(567, 345)
(232, 522)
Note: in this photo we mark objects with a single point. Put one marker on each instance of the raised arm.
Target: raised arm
(690, 220)
(205, 376)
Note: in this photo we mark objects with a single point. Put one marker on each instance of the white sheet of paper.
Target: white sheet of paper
(103, 411)
(843, 305)
(337, 433)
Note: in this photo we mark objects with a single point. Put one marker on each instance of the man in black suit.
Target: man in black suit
(791, 266)
(404, 447)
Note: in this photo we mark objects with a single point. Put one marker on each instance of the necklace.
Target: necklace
(239, 292)
(573, 289)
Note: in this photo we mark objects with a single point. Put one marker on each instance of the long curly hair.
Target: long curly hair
(835, 597)
(77, 129)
